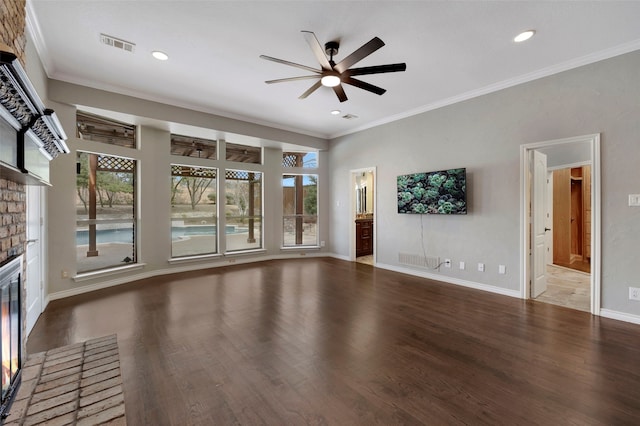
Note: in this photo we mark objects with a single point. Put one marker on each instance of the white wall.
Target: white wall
(484, 135)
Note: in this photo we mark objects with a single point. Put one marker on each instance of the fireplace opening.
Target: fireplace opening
(10, 330)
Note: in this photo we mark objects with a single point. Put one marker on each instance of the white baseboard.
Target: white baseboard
(620, 316)
(451, 280)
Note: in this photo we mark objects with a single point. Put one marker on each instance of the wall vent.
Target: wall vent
(431, 262)
(127, 46)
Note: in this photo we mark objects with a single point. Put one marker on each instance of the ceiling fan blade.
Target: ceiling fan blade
(282, 80)
(311, 90)
(293, 64)
(317, 49)
(361, 53)
(378, 69)
(363, 85)
(340, 92)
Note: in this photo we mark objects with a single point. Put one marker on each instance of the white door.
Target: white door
(538, 213)
(34, 256)
(549, 218)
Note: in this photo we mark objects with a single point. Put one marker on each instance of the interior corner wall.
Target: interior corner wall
(484, 135)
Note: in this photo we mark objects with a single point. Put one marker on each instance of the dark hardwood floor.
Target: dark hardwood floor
(324, 341)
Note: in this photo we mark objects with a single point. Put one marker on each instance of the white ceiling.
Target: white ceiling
(454, 50)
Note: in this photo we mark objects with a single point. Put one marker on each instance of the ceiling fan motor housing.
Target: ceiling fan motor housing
(331, 48)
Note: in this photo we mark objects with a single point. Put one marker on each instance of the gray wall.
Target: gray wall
(153, 154)
(484, 135)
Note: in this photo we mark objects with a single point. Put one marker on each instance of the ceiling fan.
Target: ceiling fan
(334, 75)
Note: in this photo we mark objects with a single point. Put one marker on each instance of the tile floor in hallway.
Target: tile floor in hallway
(567, 287)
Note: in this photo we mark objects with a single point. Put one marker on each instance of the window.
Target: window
(300, 210)
(243, 153)
(105, 211)
(307, 160)
(99, 129)
(194, 219)
(187, 146)
(243, 210)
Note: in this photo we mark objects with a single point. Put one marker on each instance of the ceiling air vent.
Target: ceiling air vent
(117, 43)
(350, 116)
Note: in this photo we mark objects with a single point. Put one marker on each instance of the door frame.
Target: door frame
(525, 202)
(352, 211)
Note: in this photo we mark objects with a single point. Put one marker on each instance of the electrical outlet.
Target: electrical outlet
(502, 269)
(321, 243)
(634, 293)
(480, 267)
(447, 263)
(461, 266)
(65, 273)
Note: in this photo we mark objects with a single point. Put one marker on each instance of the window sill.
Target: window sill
(300, 248)
(188, 259)
(86, 276)
(241, 252)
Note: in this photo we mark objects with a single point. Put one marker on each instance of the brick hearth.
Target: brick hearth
(79, 384)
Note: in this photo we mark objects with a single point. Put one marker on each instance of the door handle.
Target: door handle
(32, 241)
(547, 229)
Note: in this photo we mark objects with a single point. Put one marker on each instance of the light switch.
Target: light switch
(634, 200)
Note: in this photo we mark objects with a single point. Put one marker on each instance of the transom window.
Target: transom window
(104, 130)
(187, 146)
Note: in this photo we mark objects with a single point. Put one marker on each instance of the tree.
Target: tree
(196, 187)
(311, 196)
(110, 184)
(82, 181)
(175, 183)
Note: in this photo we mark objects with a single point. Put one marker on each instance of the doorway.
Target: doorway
(363, 202)
(560, 222)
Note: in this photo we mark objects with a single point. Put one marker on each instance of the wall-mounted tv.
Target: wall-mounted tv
(441, 192)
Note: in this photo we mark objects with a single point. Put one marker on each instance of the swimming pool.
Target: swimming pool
(125, 235)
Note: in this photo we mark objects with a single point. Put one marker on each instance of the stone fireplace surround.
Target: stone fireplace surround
(13, 194)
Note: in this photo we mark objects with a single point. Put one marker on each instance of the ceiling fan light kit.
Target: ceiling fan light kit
(334, 75)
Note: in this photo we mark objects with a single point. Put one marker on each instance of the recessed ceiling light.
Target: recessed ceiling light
(523, 36)
(161, 56)
(335, 112)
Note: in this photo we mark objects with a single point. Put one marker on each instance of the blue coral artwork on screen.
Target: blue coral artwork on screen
(441, 192)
